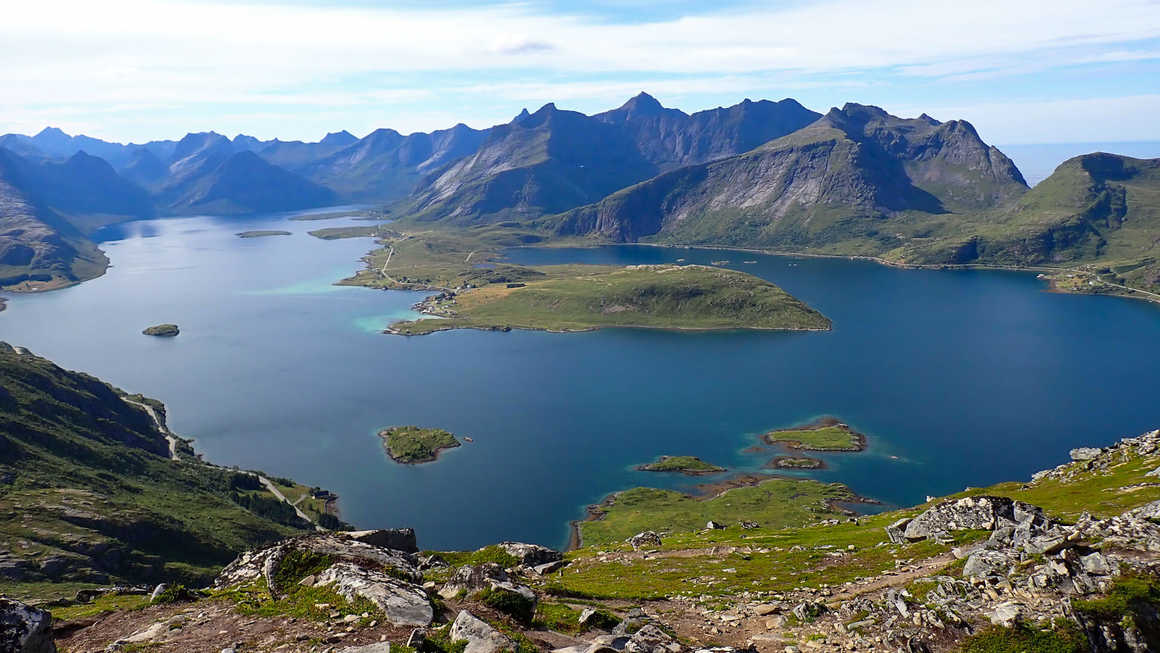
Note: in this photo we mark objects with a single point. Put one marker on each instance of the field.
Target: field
(827, 434)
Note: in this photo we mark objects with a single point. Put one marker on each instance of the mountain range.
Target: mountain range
(855, 181)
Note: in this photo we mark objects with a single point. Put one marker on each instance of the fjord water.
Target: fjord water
(958, 377)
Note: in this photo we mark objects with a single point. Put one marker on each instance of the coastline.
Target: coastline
(827, 421)
(1131, 293)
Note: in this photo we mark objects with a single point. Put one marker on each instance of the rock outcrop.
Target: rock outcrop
(24, 629)
(388, 578)
(479, 635)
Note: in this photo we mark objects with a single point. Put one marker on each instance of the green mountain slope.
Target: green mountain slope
(89, 494)
(858, 180)
(1099, 208)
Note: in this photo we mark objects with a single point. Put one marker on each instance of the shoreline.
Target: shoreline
(423, 461)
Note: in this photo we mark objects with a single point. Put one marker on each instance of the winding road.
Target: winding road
(172, 438)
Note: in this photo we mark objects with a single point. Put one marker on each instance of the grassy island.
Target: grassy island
(411, 445)
(586, 297)
(688, 465)
(826, 434)
(262, 233)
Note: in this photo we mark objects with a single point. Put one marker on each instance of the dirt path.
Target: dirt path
(281, 497)
(169, 435)
(921, 569)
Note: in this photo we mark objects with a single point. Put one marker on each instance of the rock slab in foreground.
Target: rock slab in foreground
(24, 629)
(480, 637)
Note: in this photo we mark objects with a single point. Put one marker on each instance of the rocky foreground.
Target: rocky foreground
(999, 574)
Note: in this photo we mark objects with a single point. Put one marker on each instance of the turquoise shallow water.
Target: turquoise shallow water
(959, 378)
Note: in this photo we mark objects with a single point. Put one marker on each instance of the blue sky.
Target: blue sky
(1024, 72)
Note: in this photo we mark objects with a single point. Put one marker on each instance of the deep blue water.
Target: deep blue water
(959, 378)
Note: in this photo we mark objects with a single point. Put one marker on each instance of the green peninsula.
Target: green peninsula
(585, 297)
(262, 233)
(411, 445)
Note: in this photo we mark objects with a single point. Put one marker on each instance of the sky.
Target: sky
(1022, 71)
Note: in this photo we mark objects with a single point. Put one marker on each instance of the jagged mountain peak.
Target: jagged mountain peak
(339, 138)
(51, 132)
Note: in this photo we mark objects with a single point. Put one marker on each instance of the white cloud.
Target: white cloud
(139, 53)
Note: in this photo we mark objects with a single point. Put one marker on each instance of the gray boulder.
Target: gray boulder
(651, 639)
(24, 629)
(986, 563)
(402, 603)
(472, 578)
(399, 539)
(531, 555)
(975, 513)
(480, 637)
(1084, 453)
(896, 531)
(646, 539)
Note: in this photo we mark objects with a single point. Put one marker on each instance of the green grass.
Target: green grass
(335, 233)
(101, 605)
(826, 435)
(580, 297)
(492, 553)
(1023, 638)
(416, 444)
(513, 604)
(772, 504)
(262, 233)
(1130, 596)
(685, 464)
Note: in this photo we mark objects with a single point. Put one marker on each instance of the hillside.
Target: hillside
(93, 492)
(39, 249)
(1098, 209)
(857, 180)
(552, 160)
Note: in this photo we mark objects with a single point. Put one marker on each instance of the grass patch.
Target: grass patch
(1062, 637)
(513, 604)
(772, 504)
(101, 605)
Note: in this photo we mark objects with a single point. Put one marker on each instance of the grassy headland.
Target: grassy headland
(584, 297)
(415, 444)
(688, 465)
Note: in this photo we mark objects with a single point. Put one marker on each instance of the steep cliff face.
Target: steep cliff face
(841, 178)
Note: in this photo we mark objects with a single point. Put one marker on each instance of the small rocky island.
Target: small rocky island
(795, 462)
(162, 330)
(262, 233)
(687, 465)
(411, 445)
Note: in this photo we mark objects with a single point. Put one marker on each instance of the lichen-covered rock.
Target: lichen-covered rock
(162, 330)
(651, 639)
(531, 555)
(402, 603)
(263, 562)
(480, 637)
(24, 629)
(646, 539)
(472, 578)
(973, 513)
